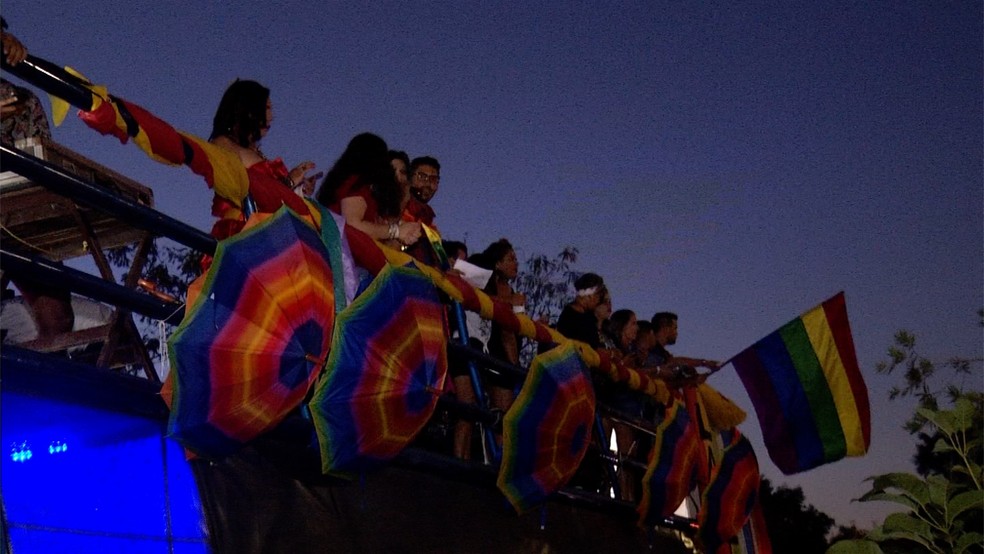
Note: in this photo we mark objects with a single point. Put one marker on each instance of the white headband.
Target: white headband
(587, 291)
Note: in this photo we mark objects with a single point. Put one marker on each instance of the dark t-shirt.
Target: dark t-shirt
(658, 356)
(582, 326)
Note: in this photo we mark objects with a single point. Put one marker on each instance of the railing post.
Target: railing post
(490, 443)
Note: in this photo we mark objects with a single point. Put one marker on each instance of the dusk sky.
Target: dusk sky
(734, 163)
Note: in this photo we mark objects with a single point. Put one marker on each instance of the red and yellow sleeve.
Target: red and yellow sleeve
(222, 169)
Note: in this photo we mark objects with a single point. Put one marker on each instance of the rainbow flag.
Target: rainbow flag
(807, 390)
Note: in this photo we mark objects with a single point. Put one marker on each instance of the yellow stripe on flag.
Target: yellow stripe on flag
(822, 339)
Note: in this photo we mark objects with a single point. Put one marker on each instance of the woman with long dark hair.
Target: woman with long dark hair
(503, 344)
(362, 188)
(621, 330)
(231, 161)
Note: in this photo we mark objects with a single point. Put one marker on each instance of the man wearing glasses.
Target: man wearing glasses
(425, 176)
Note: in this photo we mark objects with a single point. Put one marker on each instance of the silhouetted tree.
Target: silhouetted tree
(794, 526)
(548, 284)
(944, 504)
(169, 268)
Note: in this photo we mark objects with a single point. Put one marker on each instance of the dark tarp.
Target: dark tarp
(270, 498)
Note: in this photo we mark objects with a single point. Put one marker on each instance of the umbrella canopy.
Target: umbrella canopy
(547, 429)
(249, 348)
(386, 370)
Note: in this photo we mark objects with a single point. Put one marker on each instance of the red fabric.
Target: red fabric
(703, 468)
(268, 189)
(165, 141)
(353, 188)
(419, 212)
(365, 251)
(103, 119)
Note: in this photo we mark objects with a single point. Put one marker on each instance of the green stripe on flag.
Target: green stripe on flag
(814, 384)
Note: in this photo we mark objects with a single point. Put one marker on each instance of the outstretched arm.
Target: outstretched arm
(221, 168)
(354, 209)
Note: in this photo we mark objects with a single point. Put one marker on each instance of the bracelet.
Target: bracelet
(394, 230)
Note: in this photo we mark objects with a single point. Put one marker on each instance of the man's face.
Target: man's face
(668, 335)
(424, 182)
(602, 306)
(645, 340)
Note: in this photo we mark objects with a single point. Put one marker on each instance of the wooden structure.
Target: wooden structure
(39, 222)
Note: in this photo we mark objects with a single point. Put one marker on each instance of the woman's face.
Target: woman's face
(269, 118)
(400, 169)
(602, 306)
(508, 266)
(644, 341)
(630, 331)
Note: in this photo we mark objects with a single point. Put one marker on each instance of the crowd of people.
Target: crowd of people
(385, 194)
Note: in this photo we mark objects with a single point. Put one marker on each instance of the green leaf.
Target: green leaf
(906, 523)
(972, 469)
(900, 535)
(963, 502)
(876, 534)
(938, 487)
(854, 547)
(878, 496)
(963, 413)
(907, 483)
(943, 420)
(965, 541)
(942, 446)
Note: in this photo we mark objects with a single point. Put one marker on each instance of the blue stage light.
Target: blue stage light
(20, 453)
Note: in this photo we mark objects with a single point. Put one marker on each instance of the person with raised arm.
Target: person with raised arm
(362, 188)
(230, 161)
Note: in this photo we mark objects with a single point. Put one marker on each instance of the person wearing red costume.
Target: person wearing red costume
(230, 161)
(362, 188)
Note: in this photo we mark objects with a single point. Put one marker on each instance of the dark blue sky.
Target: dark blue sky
(737, 165)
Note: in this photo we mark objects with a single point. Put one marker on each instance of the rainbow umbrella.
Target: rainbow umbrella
(385, 372)
(249, 348)
(547, 429)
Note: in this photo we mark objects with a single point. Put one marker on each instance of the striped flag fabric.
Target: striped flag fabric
(731, 495)
(807, 389)
(673, 465)
(754, 536)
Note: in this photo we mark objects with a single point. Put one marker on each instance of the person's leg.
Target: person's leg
(501, 399)
(625, 436)
(463, 427)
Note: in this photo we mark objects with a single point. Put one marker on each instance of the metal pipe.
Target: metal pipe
(52, 79)
(489, 361)
(88, 194)
(56, 274)
(490, 443)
